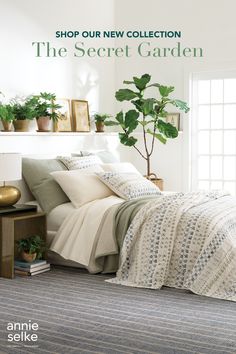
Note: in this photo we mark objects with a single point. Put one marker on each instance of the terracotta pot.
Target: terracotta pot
(7, 126)
(21, 125)
(100, 127)
(43, 124)
(28, 257)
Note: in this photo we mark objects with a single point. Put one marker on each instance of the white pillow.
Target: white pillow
(81, 187)
(121, 167)
(75, 163)
(129, 185)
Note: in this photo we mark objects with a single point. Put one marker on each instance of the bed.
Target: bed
(106, 217)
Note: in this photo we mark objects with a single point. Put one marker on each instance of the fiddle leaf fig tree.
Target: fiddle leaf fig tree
(149, 113)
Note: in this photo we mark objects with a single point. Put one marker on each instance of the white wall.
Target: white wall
(207, 24)
(23, 22)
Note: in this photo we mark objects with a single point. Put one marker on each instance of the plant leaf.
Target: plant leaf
(127, 140)
(147, 106)
(120, 118)
(165, 90)
(131, 120)
(111, 122)
(160, 137)
(154, 85)
(181, 105)
(142, 82)
(125, 95)
(167, 129)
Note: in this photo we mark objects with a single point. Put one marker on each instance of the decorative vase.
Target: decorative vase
(43, 124)
(7, 125)
(99, 127)
(28, 257)
(21, 125)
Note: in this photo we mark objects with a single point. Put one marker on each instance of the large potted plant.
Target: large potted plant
(149, 113)
(100, 121)
(44, 107)
(23, 113)
(31, 248)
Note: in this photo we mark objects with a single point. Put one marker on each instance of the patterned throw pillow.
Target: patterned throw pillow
(75, 163)
(128, 185)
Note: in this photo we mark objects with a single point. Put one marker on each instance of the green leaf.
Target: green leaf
(131, 120)
(111, 122)
(120, 118)
(125, 95)
(167, 129)
(154, 85)
(142, 82)
(128, 82)
(148, 104)
(165, 90)
(181, 105)
(160, 137)
(138, 105)
(127, 140)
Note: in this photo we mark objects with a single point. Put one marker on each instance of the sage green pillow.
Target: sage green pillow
(46, 191)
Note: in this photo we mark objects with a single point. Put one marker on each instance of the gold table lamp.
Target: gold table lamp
(10, 170)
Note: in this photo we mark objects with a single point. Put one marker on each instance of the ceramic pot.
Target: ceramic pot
(21, 125)
(7, 126)
(43, 124)
(99, 127)
(28, 257)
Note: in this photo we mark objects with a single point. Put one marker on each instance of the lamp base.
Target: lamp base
(9, 195)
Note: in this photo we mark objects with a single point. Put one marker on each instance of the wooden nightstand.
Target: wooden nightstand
(14, 225)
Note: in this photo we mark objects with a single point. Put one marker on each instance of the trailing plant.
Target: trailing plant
(44, 106)
(32, 244)
(149, 113)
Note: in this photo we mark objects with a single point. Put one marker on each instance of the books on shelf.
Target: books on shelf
(32, 268)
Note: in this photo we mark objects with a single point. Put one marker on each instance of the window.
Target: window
(214, 131)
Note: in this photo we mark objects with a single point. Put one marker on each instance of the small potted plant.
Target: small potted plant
(100, 121)
(31, 248)
(23, 112)
(44, 107)
(6, 116)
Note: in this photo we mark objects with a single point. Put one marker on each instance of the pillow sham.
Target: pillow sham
(75, 163)
(128, 185)
(120, 167)
(46, 191)
(105, 155)
(81, 187)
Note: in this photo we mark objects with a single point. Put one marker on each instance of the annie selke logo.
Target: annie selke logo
(22, 334)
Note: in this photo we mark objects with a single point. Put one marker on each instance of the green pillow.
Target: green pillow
(46, 191)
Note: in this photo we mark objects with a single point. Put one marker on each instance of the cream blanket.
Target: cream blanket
(183, 241)
(80, 238)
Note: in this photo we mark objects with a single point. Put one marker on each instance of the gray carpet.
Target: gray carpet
(80, 313)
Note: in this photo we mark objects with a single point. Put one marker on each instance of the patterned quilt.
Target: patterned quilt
(185, 241)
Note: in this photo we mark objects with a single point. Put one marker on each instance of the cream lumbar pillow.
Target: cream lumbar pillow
(81, 187)
(75, 163)
(120, 167)
(129, 185)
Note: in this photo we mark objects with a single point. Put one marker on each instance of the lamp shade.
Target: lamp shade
(10, 166)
